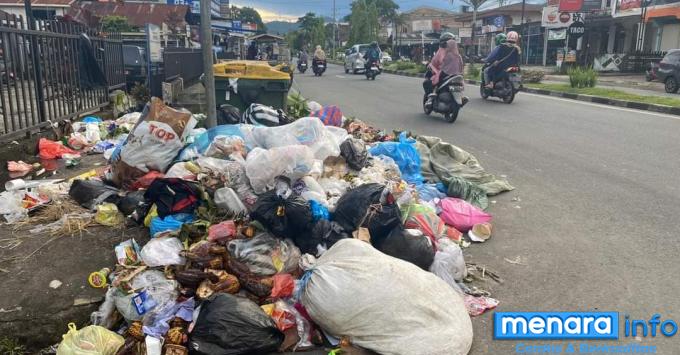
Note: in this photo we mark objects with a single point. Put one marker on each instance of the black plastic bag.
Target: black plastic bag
(173, 195)
(134, 205)
(323, 232)
(370, 206)
(284, 217)
(230, 325)
(228, 114)
(355, 153)
(409, 245)
(91, 193)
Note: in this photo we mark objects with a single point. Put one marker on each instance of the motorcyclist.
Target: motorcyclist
(504, 56)
(446, 62)
(372, 54)
(303, 57)
(319, 54)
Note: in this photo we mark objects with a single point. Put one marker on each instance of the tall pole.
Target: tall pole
(36, 61)
(335, 26)
(206, 49)
(521, 30)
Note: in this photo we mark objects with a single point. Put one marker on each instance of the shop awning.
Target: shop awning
(666, 12)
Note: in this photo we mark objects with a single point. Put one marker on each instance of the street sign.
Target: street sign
(154, 43)
(499, 21)
(236, 25)
(556, 35)
(577, 29)
(465, 32)
(553, 18)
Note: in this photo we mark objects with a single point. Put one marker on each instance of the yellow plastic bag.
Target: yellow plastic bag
(153, 212)
(108, 215)
(91, 340)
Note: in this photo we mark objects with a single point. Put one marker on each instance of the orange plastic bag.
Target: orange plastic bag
(53, 150)
(284, 284)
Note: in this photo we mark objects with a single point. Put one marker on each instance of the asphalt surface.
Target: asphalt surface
(596, 221)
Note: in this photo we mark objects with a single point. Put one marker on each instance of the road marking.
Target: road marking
(631, 110)
(340, 76)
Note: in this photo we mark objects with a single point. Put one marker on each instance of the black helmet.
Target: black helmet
(374, 44)
(446, 36)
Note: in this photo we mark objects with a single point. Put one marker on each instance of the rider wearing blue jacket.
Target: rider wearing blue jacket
(504, 56)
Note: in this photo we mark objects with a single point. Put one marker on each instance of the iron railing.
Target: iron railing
(46, 73)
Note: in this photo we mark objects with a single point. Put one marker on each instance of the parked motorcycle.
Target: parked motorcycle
(651, 72)
(319, 67)
(302, 67)
(506, 85)
(373, 69)
(447, 98)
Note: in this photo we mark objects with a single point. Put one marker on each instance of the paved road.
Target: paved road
(596, 223)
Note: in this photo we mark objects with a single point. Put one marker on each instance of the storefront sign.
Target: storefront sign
(577, 29)
(153, 33)
(421, 25)
(465, 32)
(553, 18)
(498, 21)
(557, 35)
(627, 8)
(579, 5)
(609, 62)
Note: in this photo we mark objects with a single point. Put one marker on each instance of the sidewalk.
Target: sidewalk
(633, 84)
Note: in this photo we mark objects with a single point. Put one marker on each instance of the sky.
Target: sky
(290, 10)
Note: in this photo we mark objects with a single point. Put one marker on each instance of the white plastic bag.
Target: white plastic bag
(263, 166)
(163, 251)
(449, 263)
(385, 304)
(154, 283)
(307, 131)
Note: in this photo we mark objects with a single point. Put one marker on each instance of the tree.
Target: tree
(387, 9)
(475, 4)
(116, 24)
(250, 15)
(364, 22)
(312, 29)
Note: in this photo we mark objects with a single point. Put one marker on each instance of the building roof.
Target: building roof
(137, 14)
(38, 3)
(503, 10)
(443, 11)
(266, 37)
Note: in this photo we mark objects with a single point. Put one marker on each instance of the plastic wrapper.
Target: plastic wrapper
(409, 245)
(334, 188)
(203, 141)
(127, 252)
(308, 131)
(380, 170)
(461, 215)
(54, 150)
(285, 216)
(224, 147)
(429, 192)
(221, 232)
(163, 251)
(265, 255)
(352, 287)
(153, 144)
(179, 170)
(449, 263)
(286, 317)
(104, 316)
(143, 182)
(405, 154)
(329, 115)
(227, 199)
(283, 287)
(263, 166)
(478, 305)
(319, 211)
(169, 223)
(158, 291)
(19, 166)
(108, 215)
(230, 325)
(91, 340)
(425, 219)
(216, 173)
(355, 153)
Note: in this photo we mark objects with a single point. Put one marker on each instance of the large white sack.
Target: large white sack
(385, 304)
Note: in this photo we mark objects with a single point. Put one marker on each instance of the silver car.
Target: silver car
(354, 58)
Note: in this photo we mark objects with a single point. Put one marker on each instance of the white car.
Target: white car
(386, 58)
(354, 58)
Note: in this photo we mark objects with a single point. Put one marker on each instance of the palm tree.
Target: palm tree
(475, 4)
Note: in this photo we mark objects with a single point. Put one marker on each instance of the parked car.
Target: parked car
(354, 58)
(669, 71)
(134, 64)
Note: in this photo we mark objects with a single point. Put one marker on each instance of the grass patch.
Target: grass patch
(11, 347)
(609, 93)
(473, 72)
(409, 67)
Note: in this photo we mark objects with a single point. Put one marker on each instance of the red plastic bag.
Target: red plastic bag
(284, 284)
(283, 317)
(478, 305)
(329, 115)
(19, 166)
(461, 214)
(53, 150)
(430, 224)
(221, 232)
(145, 181)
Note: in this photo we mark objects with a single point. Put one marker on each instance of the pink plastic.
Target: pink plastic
(461, 214)
(221, 232)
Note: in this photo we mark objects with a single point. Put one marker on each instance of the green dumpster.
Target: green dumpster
(241, 83)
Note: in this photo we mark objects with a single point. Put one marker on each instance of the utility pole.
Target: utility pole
(209, 76)
(36, 61)
(521, 29)
(335, 27)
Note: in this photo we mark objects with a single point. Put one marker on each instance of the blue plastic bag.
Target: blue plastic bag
(405, 154)
(202, 142)
(428, 192)
(319, 211)
(169, 223)
(92, 119)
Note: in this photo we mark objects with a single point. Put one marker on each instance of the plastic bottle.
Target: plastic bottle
(226, 198)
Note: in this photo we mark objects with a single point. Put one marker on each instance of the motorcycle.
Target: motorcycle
(506, 85)
(447, 98)
(372, 70)
(651, 72)
(319, 67)
(302, 67)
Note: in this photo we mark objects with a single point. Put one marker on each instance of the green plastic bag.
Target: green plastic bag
(465, 190)
(91, 340)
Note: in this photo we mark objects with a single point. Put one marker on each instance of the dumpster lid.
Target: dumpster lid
(248, 69)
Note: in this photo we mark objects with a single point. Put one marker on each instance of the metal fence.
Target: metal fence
(46, 73)
(182, 63)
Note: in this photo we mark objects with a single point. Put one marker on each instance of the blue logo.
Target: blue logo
(556, 325)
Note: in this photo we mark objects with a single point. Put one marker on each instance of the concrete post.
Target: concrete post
(209, 76)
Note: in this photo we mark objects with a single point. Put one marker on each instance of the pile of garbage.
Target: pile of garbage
(320, 232)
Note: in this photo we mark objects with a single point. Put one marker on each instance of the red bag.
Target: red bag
(53, 150)
(284, 284)
(461, 214)
(145, 181)
(221, 232)
(329, 115)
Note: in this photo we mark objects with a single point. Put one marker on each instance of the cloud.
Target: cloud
(270, 15)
